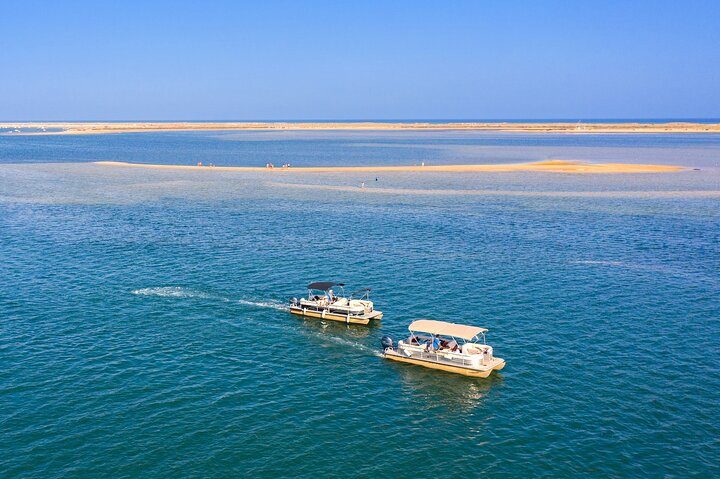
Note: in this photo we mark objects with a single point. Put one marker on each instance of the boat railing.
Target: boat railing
(364, 296)
(446, 357)
(352, 310)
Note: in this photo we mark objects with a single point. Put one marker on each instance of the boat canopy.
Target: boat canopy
(324, 285)
(446, 329)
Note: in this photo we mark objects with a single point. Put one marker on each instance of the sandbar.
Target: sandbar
(80, 128)
(551, 166)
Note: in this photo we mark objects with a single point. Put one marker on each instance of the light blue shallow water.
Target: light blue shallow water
(143, 329)
(319, 148)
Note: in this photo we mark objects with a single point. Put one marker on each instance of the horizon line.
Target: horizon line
(375, 120)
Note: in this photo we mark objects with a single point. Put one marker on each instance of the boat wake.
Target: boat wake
(181, 292)
(175, 292)
(347, 343)
(264, 304)
(188, 293)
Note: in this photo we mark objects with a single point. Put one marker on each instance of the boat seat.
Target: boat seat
(340, 302)
(469, 348)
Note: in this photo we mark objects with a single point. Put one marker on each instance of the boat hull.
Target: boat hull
(341, 318)
(465, 371)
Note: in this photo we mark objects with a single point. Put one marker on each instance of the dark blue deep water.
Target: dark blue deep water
(143, 331)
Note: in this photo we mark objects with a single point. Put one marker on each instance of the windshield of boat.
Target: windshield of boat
(338, 293)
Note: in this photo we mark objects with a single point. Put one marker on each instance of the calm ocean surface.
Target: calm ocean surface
(143, 329)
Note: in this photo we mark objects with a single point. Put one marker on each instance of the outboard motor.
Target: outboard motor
(386, 342)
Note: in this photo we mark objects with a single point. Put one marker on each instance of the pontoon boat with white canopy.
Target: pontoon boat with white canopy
(456, 348)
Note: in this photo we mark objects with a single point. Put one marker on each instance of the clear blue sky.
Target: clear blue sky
(210, 60)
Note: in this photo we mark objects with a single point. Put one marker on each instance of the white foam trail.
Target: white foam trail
(173, 292)
(264, 304)
(181, 292)
(348, 343)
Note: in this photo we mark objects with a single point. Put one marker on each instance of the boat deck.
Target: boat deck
(337, 316)
(447, 361)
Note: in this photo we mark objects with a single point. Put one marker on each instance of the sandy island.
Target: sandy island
(552, 166)
(78, 128)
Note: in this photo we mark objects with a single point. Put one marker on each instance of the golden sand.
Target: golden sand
(77, 128)
(553, 166)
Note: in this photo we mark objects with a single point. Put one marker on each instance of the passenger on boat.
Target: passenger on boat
(485, 356)
(331, 296)
(433, 344)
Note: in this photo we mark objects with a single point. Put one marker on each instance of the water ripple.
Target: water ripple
(144, 329)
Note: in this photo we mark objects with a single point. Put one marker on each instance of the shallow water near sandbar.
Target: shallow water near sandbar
(143, 327)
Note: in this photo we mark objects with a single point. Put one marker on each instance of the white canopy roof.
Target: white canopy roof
(446, 329)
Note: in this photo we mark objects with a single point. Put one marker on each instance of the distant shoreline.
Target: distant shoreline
(80, 128)
(552, 166)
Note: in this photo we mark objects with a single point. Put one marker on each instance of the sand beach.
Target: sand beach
(552, 166)
(93, 128)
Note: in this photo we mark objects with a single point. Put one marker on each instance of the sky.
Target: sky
(305, 60)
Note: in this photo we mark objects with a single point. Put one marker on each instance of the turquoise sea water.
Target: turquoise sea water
(143, 329)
